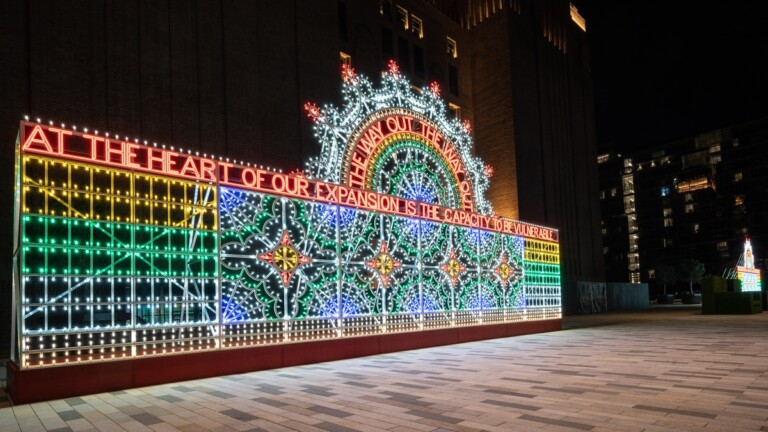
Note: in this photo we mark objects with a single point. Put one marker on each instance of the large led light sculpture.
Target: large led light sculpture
(128, 251)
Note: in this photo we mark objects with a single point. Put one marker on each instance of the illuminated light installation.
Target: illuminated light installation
(389, 138)
(746, 271)
(126, 251)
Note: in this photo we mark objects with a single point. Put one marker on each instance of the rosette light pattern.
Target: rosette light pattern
(273, 266)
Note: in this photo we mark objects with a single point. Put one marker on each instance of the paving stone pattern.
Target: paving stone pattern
(660, 370)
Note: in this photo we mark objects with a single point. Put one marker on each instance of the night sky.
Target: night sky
(665, 73)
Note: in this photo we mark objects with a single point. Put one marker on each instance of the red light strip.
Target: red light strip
(366, 149)
(66, 144)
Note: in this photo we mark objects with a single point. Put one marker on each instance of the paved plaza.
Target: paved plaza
(665, 369)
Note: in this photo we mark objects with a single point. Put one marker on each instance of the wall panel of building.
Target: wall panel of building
(550, 129)
(494, 112)
(154, 72)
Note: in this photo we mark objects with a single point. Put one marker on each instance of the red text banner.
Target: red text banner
(101, 150)
(367, 147)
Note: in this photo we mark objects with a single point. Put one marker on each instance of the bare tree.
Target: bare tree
(666, 275)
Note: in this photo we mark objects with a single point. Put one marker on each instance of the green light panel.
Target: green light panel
(114, 264)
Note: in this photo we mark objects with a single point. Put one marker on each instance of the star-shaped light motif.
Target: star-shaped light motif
(489, 170)
(285, 258)
(434, 87)
(453, 267)
(384, 264)
(393, 67)
(504, 271)
(348, 74)
(313, 112)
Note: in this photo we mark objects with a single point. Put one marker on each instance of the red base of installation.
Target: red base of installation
(34, 385)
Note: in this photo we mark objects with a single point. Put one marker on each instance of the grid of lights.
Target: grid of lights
(113, 264)
(125, 250)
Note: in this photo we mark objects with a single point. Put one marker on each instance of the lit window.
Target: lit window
(613, 192)
(694, 184)
(417, 26)
(628, 163)
(667, 212)
(402, 17)
(714, 148)
(345, 58)
(632, 224)
(695, 228)
(715, 159)
(688, 197)
(603, 158)
(689, 208)
(665, 191)
(667, 222)
(602, 194)
(455, 110)
(722, 246)
(634, 261)
(629, 204)
(737, 177)
(578, 19)
(739, 200)
(452, 48)
(651, 273)
(628, 184)
(665, 243)
(605, 231)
